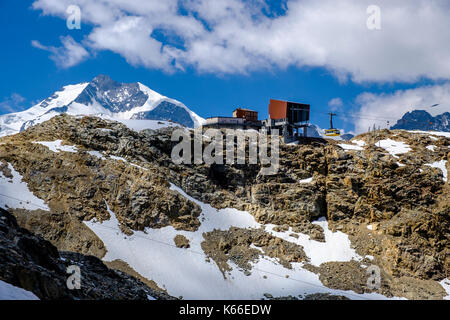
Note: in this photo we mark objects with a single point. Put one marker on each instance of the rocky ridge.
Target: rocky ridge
(422, 120)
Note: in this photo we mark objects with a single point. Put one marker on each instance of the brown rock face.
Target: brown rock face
(82, 185)
(409, 205)
(65, 232)
(235, 245)
(404, 201)
(181, 241)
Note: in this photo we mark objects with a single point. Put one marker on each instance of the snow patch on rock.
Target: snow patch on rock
(14, 193)
(441, 165)
(346, 146)
(57, 146)
(393, 147)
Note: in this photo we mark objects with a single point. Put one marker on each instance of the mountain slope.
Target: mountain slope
(34, 264)
(106, 98)
(422, 120)
(47, 108)
(225, 231)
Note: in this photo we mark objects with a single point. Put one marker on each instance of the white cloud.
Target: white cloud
(17, 98)
(335, 104)
(69, 54)
(12, 103)
(379, 108)
(235, 36)
(130, 37)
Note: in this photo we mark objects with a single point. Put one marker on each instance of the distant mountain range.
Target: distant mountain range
(113, 100)
(105, 98)
(422, 120)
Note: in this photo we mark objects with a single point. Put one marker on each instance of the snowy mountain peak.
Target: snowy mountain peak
(106, 98)
(112, 95)
(104, 79)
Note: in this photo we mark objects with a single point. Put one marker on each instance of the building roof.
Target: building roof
(290, 101)
(244, 109)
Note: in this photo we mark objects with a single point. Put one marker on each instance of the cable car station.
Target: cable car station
(291, 119)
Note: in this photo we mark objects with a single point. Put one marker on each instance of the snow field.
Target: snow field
(187, 273)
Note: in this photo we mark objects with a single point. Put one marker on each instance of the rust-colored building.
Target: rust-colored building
(248, 115)
(292, 111)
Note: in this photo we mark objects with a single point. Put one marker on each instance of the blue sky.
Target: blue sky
(381, 83)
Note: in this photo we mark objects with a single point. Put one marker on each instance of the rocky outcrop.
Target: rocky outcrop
(313, 296)
(422, 120)
(64, 231)
(181, 241)
(354, 276)
(242, 246)
(407, 205)
(324, 296)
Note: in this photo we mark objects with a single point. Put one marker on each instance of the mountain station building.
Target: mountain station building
(288, 117)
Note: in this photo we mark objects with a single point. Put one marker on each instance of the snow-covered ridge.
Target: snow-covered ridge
(80, 99)
(154, 100)
(14, 122)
